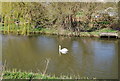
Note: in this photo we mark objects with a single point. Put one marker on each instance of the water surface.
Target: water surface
(91, 57)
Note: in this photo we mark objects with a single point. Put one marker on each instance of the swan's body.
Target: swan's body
(63, 51)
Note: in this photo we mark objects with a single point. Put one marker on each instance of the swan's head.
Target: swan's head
(59, 46)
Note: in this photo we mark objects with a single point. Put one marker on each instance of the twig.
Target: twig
(47, 60)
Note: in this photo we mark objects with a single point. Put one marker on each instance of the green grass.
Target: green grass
(106, 30)
(25, 75)
(30, 75)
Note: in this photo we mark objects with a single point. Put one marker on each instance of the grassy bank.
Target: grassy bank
(31, 75)
(52, 31)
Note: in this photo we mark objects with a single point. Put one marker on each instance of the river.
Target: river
(87, 57)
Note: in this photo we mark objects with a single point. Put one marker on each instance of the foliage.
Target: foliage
(27, 16)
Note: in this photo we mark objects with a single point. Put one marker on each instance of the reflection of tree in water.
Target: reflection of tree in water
(87, 53)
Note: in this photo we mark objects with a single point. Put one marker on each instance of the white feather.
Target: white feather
(63, 51)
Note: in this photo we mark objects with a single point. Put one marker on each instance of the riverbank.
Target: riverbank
(30, 75)
(61, 32)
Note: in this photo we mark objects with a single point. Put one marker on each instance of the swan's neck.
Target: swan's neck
(59, 47)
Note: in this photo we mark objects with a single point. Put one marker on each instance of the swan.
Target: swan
(63, 51)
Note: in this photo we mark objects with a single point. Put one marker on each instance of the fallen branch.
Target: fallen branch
(47, 62)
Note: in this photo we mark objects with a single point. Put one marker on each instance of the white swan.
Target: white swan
(63, 51)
